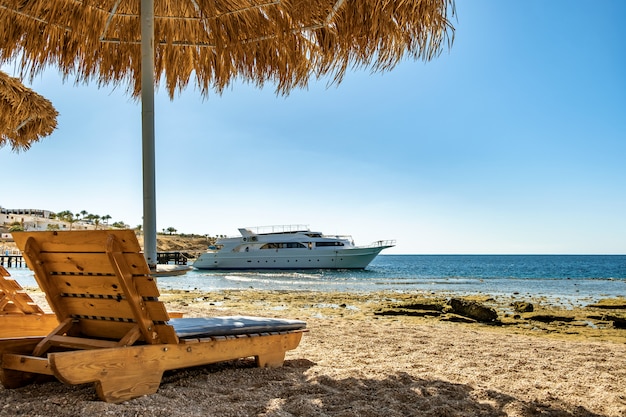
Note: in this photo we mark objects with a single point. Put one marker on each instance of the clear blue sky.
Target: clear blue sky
(514, 141)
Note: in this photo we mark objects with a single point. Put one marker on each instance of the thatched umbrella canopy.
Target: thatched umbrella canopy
(281, 41)
(214, 42)
(25, 116)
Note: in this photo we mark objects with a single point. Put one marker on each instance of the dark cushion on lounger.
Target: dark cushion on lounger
(232, 325)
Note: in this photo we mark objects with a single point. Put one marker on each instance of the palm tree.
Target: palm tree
(67, 216)
(60, 215)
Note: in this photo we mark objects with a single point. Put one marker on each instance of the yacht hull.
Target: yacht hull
(353, 258)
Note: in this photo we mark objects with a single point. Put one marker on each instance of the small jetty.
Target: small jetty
(12, 260)
(173, 257)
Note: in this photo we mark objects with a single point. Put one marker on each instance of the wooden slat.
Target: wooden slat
(9, 285)
(90, 285)
(90, 263)
(102, 307)
(101, 285)
(78, 240)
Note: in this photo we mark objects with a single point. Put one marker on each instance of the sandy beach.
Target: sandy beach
(356, 362)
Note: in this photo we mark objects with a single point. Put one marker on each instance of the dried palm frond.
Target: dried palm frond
(25, 116)
(285, 42)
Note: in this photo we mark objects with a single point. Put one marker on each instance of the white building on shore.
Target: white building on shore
(37, 219)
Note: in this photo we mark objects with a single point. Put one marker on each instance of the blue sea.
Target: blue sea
(568, 279)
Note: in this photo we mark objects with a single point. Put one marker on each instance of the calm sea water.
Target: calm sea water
(575, 279)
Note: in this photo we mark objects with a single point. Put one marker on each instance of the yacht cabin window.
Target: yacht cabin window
(283, 245)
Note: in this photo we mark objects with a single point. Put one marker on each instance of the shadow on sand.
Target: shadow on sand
(292, 391)
(240, 389)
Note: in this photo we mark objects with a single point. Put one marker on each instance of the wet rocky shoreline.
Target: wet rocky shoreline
(602, 320)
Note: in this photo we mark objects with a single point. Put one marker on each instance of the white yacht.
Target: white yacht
(288, 247)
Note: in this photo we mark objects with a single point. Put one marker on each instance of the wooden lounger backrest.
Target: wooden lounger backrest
(100, 282)
(13, 299)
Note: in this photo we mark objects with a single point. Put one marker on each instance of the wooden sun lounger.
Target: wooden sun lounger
(113, 331)
(19, 315)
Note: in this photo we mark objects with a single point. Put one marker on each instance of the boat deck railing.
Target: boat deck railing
(382, 243)
(284, 228)
(342, 237)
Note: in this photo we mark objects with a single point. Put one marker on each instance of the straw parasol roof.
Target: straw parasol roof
(25, 116)
(284, 42)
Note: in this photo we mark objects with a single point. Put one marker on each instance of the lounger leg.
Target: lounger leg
(270, 360)
(117, 389)
(15, 379)
(119, 374)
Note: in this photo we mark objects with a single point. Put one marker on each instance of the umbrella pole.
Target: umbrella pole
(147, 132)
